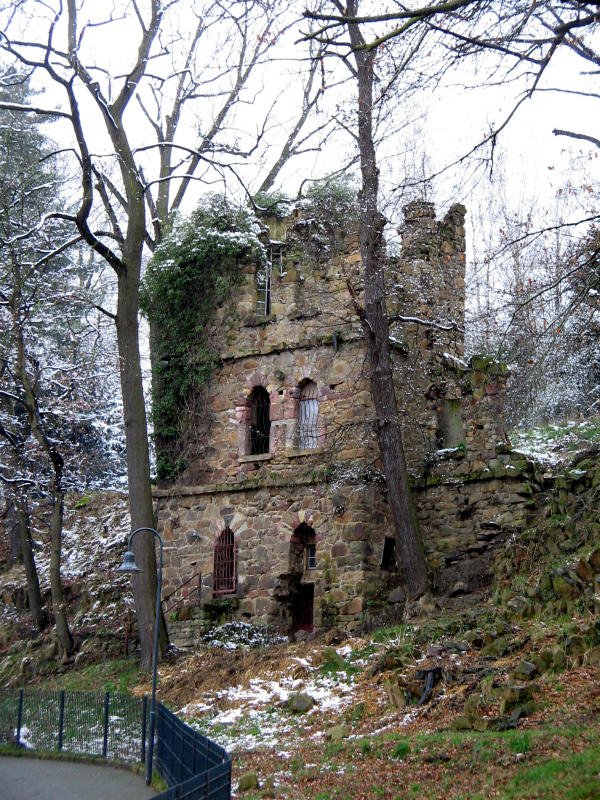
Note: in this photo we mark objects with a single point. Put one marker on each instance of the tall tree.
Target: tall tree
(373, 315)
(183, 67)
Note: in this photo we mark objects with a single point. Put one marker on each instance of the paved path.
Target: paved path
(36, 779)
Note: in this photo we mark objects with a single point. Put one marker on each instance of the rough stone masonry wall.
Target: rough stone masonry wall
(465, 490)
(349, 527)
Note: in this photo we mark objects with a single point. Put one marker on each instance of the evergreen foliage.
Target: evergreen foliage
(47, 295)
(272, 204)
(333, 201)
(190, 275)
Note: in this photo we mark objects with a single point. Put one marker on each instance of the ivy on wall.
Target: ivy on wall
(190, 275)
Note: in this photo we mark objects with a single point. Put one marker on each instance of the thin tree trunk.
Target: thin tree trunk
(65, 640)
(376, 329)
(39, 616)
(55, 490)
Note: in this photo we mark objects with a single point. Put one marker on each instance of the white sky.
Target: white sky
(530, 163)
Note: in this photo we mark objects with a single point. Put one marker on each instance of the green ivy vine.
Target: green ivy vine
(190, 274)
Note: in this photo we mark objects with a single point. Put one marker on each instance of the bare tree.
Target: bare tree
(27, 181)
(182, 67)
(360, 60)
(523, 37)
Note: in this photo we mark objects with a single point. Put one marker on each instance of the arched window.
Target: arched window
(225, 564)
(260, 421)
(308, 416)
(303, 550)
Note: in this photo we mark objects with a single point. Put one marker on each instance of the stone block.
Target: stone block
(355, 606)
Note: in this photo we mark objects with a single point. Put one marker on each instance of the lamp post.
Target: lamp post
(129, 565)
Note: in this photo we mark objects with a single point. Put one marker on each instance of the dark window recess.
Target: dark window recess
(260, 421)
(388, 560)
(311, 556)
(308, 417)
(225, 564)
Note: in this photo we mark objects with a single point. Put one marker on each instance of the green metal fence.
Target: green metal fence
(195, 767)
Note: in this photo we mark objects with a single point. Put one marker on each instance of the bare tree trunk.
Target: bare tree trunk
(55, 490)
(65, 640)
(39, 616)
(376, 329)
(138, 460)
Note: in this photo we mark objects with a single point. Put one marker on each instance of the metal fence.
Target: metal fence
(106, 724)
(195, 767)
(114, 726)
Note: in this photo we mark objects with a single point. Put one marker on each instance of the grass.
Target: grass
(572, 777)
(333, 663)
(118, 675)
(401, 749)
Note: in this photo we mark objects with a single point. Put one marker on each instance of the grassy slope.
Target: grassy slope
(360, 741)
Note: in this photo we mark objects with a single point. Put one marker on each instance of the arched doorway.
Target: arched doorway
(303, 559)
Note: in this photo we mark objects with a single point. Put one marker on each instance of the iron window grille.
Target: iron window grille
(225, 564)
(308, 417)
(260, 421)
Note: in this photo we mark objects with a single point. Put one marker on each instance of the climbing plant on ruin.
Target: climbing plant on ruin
(191, 274)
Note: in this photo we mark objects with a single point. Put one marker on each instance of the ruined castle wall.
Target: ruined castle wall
(468, 494)
(349, 526)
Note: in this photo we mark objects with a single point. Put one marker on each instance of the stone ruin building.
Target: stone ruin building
(280, 517)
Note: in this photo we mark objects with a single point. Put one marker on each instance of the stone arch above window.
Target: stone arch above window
(308, 416)
(260, 421)
(225, 564)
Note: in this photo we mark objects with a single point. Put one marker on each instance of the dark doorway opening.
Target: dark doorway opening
(388, 559)
(303, 601)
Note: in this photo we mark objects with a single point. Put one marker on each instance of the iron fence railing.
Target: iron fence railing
(186, 595)
(115, 726)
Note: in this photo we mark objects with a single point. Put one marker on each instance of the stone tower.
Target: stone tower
(281, 512)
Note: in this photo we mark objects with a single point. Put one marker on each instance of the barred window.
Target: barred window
(225, 564)
(260, 421)
(308, 416)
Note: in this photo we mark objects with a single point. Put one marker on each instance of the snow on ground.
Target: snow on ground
(552, 444)
(255, 714)
(95, 533)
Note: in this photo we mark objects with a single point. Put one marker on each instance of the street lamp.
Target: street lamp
(129, 565)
